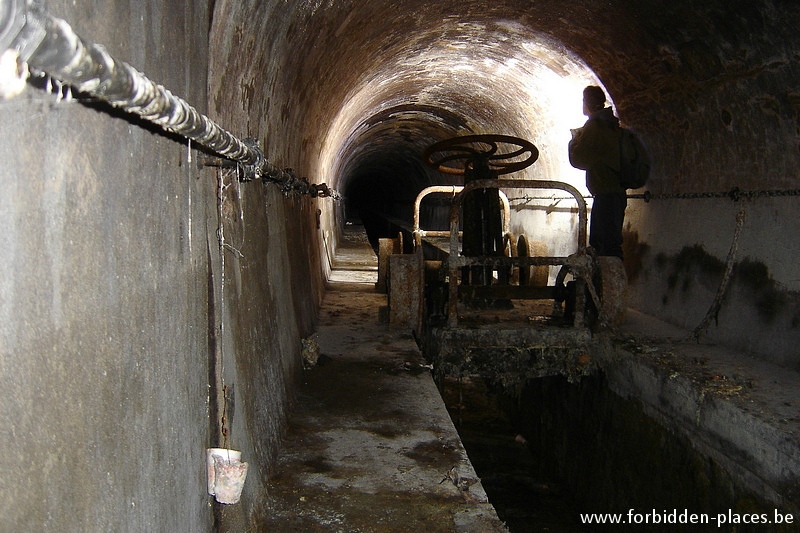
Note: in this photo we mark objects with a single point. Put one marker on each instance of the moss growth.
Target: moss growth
(634, 253)
(687, 284)
(689, 262)
(693, 264)
(768, 298)
(696, 256)
(672, 280)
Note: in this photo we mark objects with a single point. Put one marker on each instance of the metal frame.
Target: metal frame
(579, 263)
(453, 190)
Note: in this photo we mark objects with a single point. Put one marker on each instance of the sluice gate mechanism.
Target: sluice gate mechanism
(481, 300)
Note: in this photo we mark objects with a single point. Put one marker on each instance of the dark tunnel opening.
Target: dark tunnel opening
(383, 169)
(381, 193)
(381, 197)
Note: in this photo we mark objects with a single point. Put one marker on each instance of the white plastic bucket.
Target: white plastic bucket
(229, 479)
(225, 454)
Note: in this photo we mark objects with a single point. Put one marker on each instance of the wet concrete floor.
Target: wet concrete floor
(370, 445)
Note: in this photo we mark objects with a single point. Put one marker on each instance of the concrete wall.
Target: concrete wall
(119, 334)
(104, 329)
(726, 119)
(272, 273)
(263, 306)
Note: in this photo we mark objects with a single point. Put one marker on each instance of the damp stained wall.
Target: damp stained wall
(727, 121)
(103, 294)
(118, 335)
(127, 334)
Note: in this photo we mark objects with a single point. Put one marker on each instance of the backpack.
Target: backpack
(634, 161)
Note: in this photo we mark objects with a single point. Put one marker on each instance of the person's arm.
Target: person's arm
(582, 154)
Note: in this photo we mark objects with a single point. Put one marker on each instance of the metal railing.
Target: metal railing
(452, 190)
(578, 263)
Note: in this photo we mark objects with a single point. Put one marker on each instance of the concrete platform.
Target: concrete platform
(370, 445)
(740, 411)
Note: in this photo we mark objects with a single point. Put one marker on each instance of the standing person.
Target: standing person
(595, 149)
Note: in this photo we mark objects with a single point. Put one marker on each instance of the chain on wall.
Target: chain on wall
(735, 194)
(34, 45)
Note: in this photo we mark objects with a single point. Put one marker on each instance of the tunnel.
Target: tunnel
(161, 285)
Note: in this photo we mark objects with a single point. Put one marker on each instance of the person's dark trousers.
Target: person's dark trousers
(605, 228)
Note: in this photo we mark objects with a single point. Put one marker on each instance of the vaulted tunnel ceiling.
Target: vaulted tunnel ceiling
(367, 85)
(455, 78)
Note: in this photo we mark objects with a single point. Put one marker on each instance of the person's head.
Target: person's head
(594, 99)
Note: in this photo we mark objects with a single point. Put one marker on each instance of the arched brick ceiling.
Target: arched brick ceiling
(353, 89)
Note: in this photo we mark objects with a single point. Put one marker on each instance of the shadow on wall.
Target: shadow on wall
(757, 314)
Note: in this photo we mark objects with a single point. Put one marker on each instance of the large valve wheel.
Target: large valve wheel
(456, 155)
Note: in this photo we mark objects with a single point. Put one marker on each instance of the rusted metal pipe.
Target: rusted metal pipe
(50, 46)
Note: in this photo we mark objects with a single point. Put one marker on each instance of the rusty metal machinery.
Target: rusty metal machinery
(481, 157)
(419, 233)
(579, 264)
(466, 329)
(485, 247)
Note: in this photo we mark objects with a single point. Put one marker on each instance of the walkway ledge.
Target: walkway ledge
(370, 445)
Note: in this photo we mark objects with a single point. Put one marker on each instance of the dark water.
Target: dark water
(509, 472)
